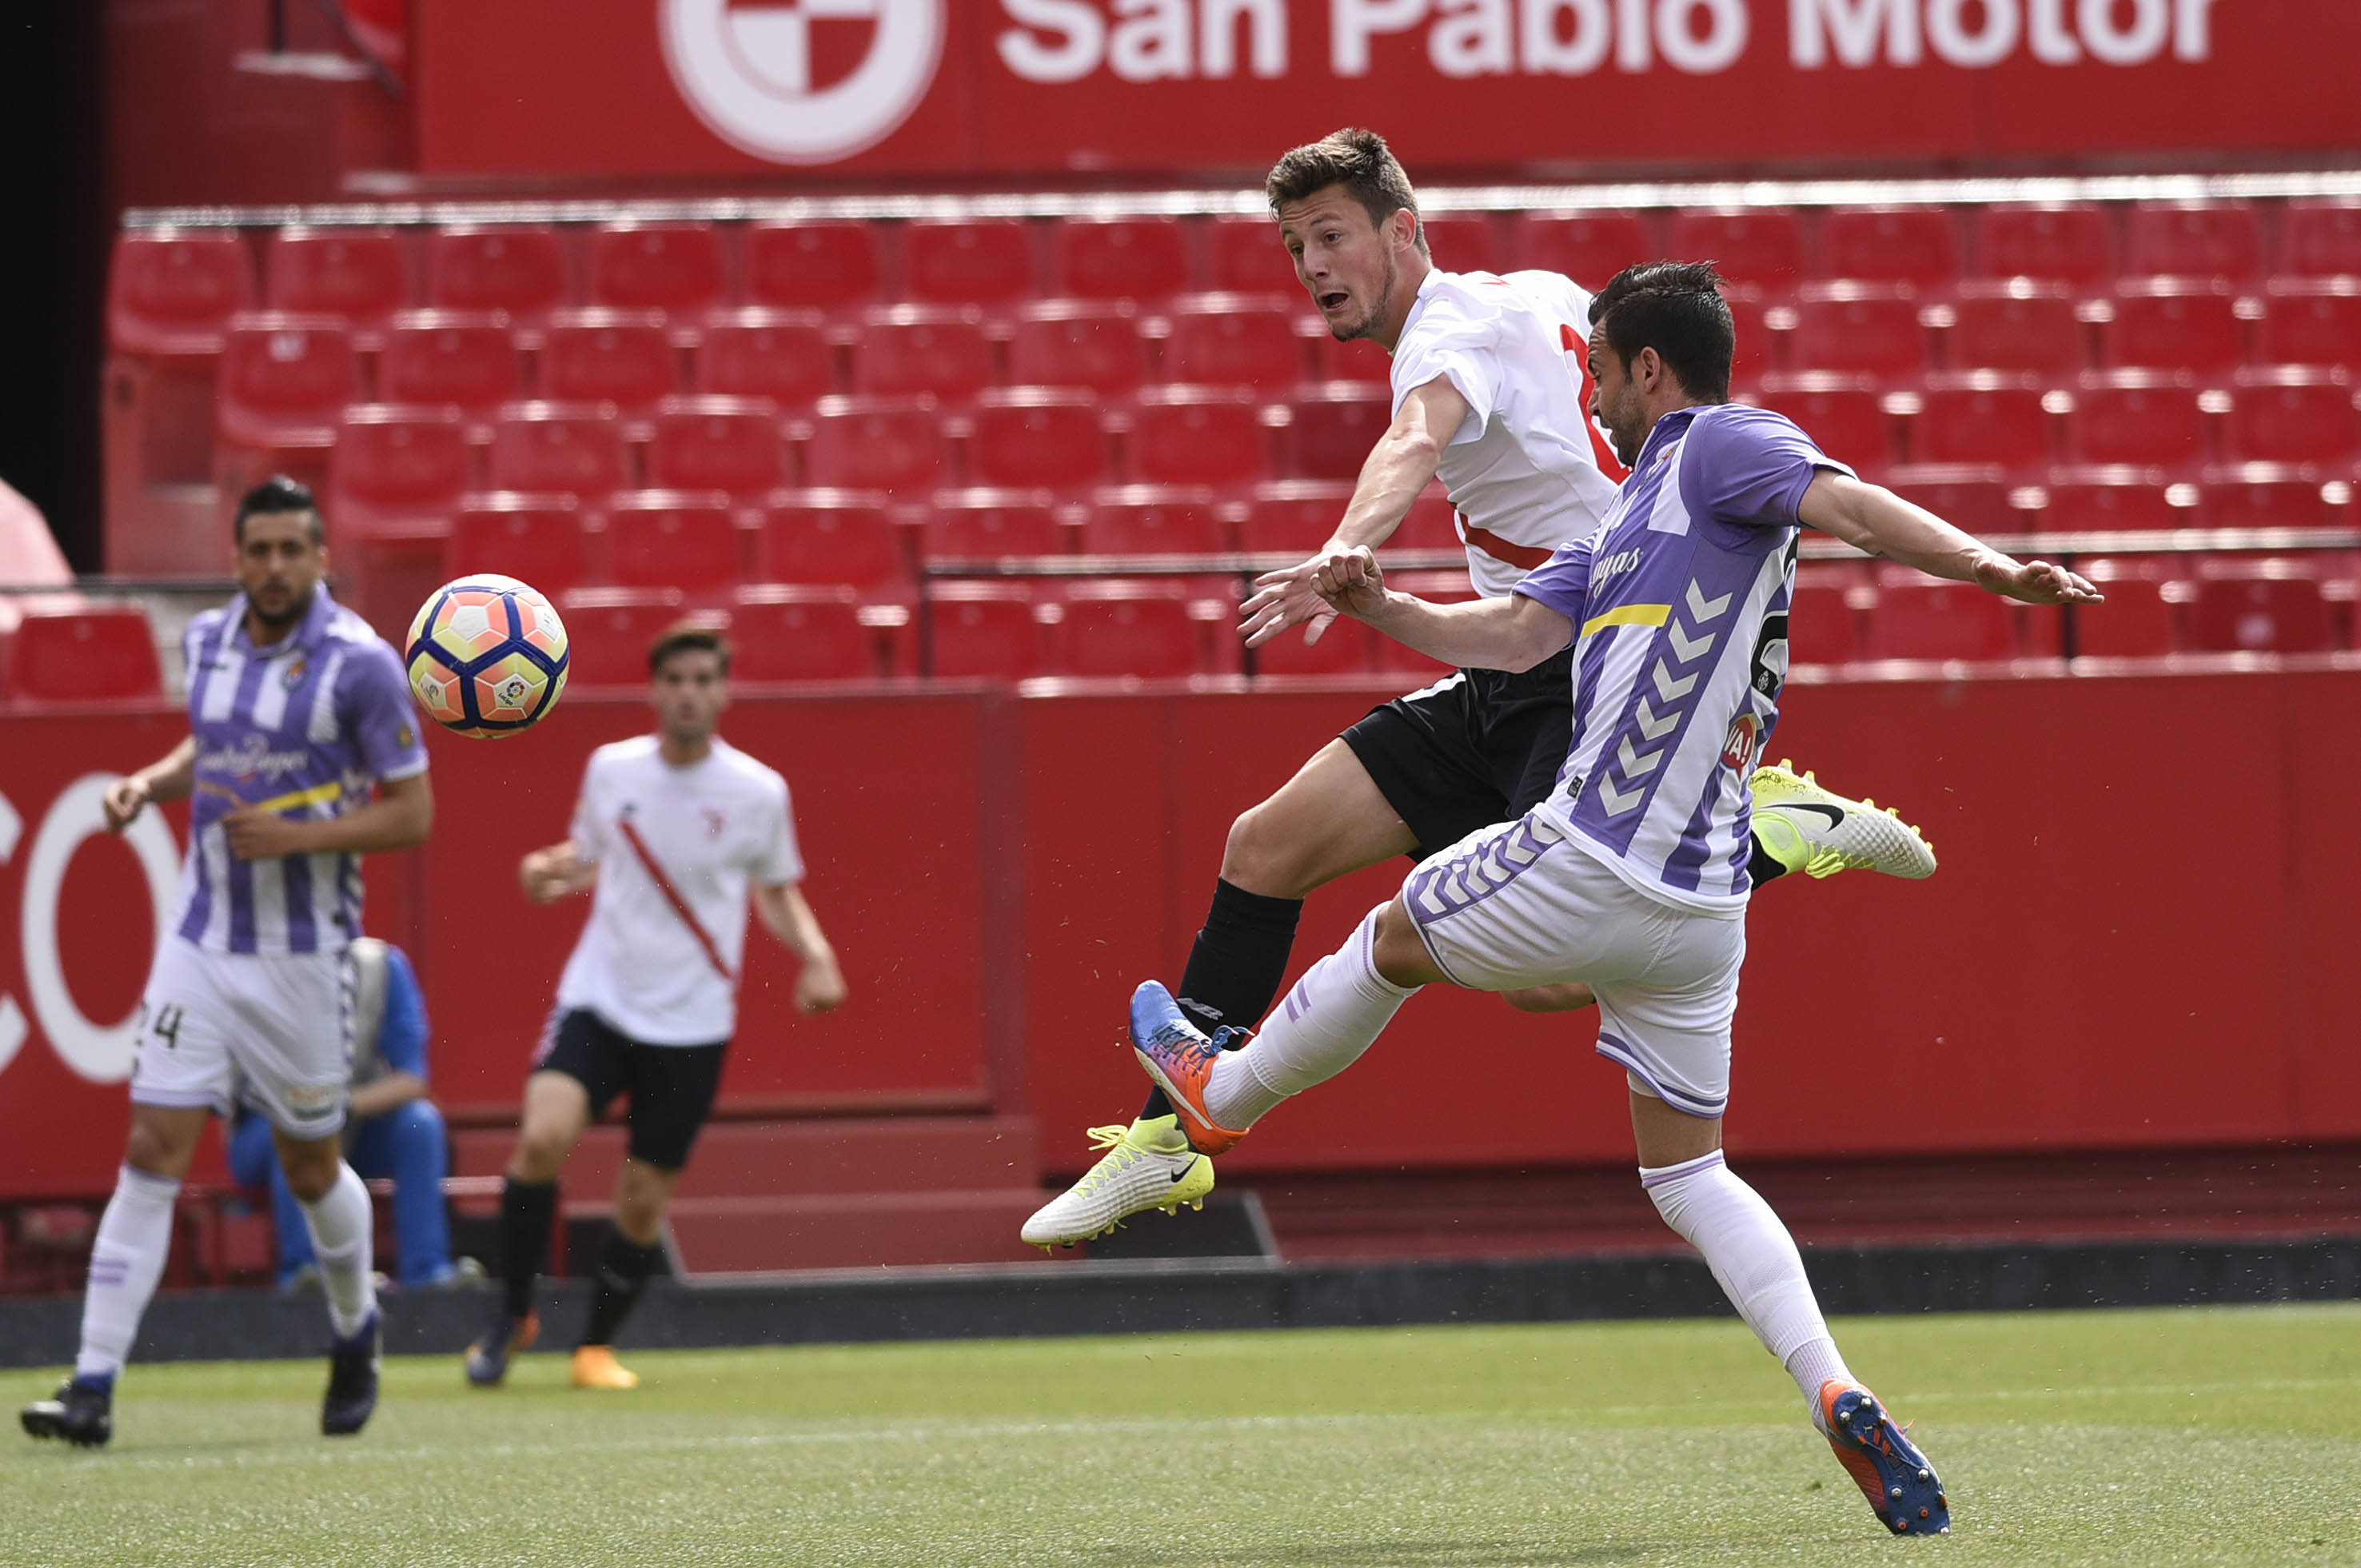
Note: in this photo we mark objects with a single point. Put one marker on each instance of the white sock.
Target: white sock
(1318, 1030)
(134, 1235)
(341, 1226)
(1755, 1261)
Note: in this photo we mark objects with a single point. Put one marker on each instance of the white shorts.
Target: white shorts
(1519, 905)
(271, 1027)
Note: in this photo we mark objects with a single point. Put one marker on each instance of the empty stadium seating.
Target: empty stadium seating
(914, 348)
(2109, 500)
(2311, 321)
(2172, 324)
(516, 268)
(982, 261)
(982, 628)
(984, 525)
(1150, 520)
(1074, 343)
(398, 462)
(539, 539)
(97, 654)
(2260, 607)
(676, 539)
(1891, 245)
(784, 355)
(1589, 247)
(1197, 435)
(1852, 327)
(360, 274)
(1120, 259)
(173, 291)
(2193, 239)
(608, 631)
(657, 266)
(558, 449)
(2069, 243)
(1234, 340)
(801, 632)
(729, 445)
(1119, 627)
(463, 359)
(830, 536)
(1915, 617)
(2321, 238)
(1030, 436)
(2019, 325)
(2137, 418)
(1759, 245)
(1332, 428)
(285, 380)
(895, 445)
(623, 358)
(2292, 416)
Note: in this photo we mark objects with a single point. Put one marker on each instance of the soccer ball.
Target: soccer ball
(486, 656)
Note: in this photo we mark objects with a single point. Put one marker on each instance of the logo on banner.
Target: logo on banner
(803, 81)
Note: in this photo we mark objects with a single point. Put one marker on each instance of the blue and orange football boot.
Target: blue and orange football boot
(1179, 1057)
(1902, 1489)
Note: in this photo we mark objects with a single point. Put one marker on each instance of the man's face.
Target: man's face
(688, 692)
(1346, 261)
(279, 564)
(1615, 400)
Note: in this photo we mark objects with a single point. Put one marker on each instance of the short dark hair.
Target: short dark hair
(1358, 160)
(688, 637)
(278, 494)
(1676, 309)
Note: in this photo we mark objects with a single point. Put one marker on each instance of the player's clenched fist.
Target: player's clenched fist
(1351, 580)
(126, 799)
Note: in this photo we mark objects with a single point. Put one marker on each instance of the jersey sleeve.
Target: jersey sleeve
(1750, 467)
(1450, 343)
(378, 710)
(1563, 583)
(588, 831)
(401, 1038)
(781, 859)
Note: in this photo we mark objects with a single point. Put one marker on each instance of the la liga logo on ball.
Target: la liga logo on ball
(486, 656)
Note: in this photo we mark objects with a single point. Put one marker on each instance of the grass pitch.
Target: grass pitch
(2205, 1436)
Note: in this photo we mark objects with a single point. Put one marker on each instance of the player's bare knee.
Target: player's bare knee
(1397, 952)
(1262, 857)
(152, 1149)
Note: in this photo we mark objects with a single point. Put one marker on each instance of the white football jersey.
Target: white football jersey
(714, 827)
(1528, 471)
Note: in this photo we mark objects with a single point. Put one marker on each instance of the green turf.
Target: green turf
(2209, 1436)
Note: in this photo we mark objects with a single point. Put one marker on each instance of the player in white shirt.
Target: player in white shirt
(674, 831)
(1490, 390)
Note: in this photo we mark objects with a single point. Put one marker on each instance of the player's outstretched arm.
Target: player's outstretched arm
(556, 870)
(1876, 522)
(170, 777)
(1399, 466)
(1511, 633)
(399, 819)
(786, 916)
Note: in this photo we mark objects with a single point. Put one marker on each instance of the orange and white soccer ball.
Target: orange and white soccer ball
(486, 656)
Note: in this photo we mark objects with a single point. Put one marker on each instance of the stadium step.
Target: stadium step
(864, 1230)
(835, 1156)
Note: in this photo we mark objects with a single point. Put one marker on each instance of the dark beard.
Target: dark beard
(297, 609)
(1361, 329)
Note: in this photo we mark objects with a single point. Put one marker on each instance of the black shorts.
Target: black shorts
(672, 1087)
(1480, 748)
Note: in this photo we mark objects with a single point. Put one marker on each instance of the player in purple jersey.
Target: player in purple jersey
(303, 756)
(1631, 877)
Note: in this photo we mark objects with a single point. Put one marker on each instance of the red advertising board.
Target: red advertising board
(932, 88)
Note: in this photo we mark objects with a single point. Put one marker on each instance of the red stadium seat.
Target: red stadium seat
(2292, 416)
(2269, 605)
(2193, 239)
(672, 266)
(1970, 496)
(2069, 243)
(518, 269)
(2311, 323)
(284, 381)
(1027, 437)
(982, 630)
(823, 266)
(173, 291)
(831, 536)
(1756, 355)
(922, 349)
(729, 445)
(1917, 617)
(2132, 417)
(1890, 245)
(800, 632)
(1589, 247)
(1120, 628)
(985, 524)
(894, 445)
(1357, 361)
(1197, 435)
(1840, 413)
(101, 652)
(2135, 623)
(981, 262)
(2321, 238)
(2264, 495)
(463, 359)
(1980, 418)
(1334, 427)
(1848, 327)
(1234, 340)
(1824, 619)
(1248, 258)
(1120, 259)
(1295, 516)
(539, 539)
(2172, 324)
(1763, 246)
(2019, 325)
(395, 461)
(1064, 343)
(1153, 519)
(2111, 501)
(672, 539)
(779, 354)
(1346, 648)
(358, 274)
(558, 449)
(608, 631)
(624, 357)
(1463, 242)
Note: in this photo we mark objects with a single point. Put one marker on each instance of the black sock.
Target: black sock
(527, 1207)
(1761, 867)
(623, 1270)
(1234, 968)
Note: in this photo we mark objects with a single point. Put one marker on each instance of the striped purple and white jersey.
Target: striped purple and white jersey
(302, 727)
(1680, 605)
